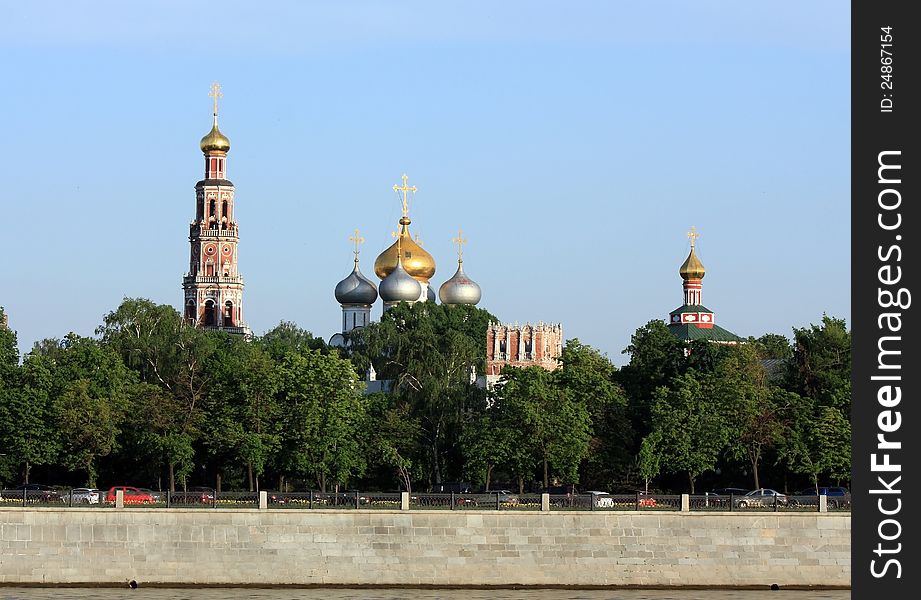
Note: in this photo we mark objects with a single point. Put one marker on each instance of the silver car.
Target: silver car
(81, 496)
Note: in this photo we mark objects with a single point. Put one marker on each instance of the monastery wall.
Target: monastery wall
(451, 548)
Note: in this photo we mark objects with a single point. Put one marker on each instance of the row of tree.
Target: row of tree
(151, 401)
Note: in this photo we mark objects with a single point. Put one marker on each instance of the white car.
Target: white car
(601, 499)
(81, 496)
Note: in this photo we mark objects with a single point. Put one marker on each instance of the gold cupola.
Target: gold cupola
(416, 261)
(215, 141)
(692, 267)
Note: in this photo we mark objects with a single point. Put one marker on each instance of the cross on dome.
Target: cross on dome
(215, 93)
(358, 241)
(693, 235)
(460, 241)
(405, 189)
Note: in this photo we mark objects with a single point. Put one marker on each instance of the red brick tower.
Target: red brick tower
(522, 346)
(213, 286)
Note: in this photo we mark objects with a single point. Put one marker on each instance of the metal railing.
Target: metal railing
(489, 501)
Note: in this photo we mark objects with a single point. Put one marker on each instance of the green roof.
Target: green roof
(690, 308)
(691, 332)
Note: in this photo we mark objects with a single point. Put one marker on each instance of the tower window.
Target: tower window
(210, 317)
(228, 313)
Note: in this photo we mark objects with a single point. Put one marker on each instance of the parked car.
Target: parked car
(35, 492)
(157, 496)
(505, 496)
(132, 495)
(762, 497)
(81, 496)
(838, 497)
(601, 499)
(205, 494)
(720, 497)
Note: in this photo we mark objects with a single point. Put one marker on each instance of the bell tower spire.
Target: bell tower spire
(213, 286)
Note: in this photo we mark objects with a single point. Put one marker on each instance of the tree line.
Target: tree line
(153, 402)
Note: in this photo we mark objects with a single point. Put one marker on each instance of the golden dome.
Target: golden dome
(692, 267)
(215, 140)
(416, 261)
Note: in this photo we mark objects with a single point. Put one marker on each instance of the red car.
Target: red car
(132, 495)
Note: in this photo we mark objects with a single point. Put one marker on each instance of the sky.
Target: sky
(574, 143)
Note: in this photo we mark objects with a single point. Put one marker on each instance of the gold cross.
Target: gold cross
(399, 237)
(215, 93)
(693, 235)
(460, 241)
(405, 189)
(418, 240)
(358, 240)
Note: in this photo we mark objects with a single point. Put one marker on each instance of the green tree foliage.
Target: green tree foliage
(773, 346)
(589, 377)
(555, 428)
(656, 357)
(429, 351)
(689, 431)
(89, 401)
(244, 424)
(321, 398)
(288, 337)
(27, 418)
(394, 436)
(154, 341)
(752, 407)
(821, 365)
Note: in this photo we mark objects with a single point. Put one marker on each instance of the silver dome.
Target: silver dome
(429, 293)
(356, 289)
(460, 289)
(400, 286)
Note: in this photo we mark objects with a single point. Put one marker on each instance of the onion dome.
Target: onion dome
(460, 289)
(356, 289)
(692, 267)
(399, 285)
(429, 293)
(416, 261)
(215, 141)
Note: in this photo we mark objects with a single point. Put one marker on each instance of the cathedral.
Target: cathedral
(213, 287)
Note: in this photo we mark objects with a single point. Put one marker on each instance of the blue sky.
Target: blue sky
(575, 144)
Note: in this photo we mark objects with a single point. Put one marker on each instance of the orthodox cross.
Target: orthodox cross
(399, 244)
(693, 235)
(460, 241)
(358, 241)
(215, 93)
(405, 189)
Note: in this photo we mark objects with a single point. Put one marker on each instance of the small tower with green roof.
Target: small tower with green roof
(693, 320)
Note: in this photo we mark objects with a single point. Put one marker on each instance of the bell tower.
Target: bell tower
(213, 286)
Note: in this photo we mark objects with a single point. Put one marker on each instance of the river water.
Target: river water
(58, 593)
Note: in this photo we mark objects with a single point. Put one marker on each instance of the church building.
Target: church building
(213, 287)
(694, 321)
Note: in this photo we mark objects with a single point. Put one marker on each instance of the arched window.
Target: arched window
(210, 317)
(190, 311)
(228, 313)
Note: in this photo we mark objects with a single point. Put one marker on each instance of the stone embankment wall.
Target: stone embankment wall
(357, 547)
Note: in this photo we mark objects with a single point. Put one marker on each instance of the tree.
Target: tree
(773, 346)
(554, 427)
(393, 434)
(589, 377)
(89, 402)
(26, 416)
(689, 431)
(288, 337)
(322, 400)
(155, 342)
(429, 351)
(752, 407)
(821, 365)
(656, 357)
(244, 422)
